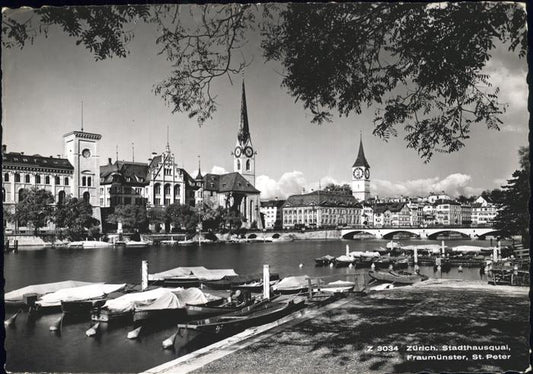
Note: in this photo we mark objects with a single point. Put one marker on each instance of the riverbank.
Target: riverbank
(427, 327)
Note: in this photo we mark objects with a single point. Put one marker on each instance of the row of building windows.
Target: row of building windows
(38, 179)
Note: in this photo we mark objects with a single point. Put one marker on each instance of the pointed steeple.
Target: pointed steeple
(199, 175)
(361, 159)
(244, 131)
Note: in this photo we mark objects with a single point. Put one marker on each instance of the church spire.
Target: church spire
(361, 159)
(244, 131)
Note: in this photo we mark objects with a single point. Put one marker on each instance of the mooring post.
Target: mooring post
(266, 282)
(309, 288)
(144, 275)
(347, 250)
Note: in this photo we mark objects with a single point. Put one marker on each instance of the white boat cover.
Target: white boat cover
(364, 254)
(79, 293)
(192, 296)
(345, 258)
(391, 245)
(199, 272)
(128, 301)
(292, 283)
(471, 249)
(433, 248)
(166, 301)
(96, 244)
(42, 289)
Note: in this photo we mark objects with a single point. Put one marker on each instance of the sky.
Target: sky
(45, 82)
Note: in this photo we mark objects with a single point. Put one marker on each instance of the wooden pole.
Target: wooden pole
(309, 288)
(266, 282)
(144, 275)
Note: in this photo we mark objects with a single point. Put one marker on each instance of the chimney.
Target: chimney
(109, 160)
(21, 153)
(4, 148)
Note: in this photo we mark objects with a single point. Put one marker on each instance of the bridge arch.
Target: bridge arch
(435, 234)
(352, 233)
(492, 233)
(390, 234)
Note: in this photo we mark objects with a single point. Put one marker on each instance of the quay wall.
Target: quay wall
(25, 240)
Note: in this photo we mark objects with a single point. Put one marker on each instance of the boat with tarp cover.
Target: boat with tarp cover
(238, 281)
(292, 285)
(188, 276)
(399, 277)
(87, 296)
(16, 298)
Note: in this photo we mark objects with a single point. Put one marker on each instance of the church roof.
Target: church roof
(199, 176)
(15, 160)
(244, 131)
(361, 159)
(230, 182)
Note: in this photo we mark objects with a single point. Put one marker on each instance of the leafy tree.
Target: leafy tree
(232, 219)
(35, 209)
(183, 216)
(513, 214)
(212, 218)
(131, 216)
(345, 189)
(157, 217)
(465, 200)
(76, 216)
(420, 64)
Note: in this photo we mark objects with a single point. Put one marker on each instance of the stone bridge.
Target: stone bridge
(421, 232)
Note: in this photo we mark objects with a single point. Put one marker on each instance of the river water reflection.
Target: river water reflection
(31, 347)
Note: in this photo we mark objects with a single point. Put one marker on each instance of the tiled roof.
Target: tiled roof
(19, 160)
(133, 173)
(231, 182)
(322, 198)
(392, 207)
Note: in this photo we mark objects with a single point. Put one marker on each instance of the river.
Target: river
(30, 346)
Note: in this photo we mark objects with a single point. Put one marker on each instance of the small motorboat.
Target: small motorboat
(186, 243)
(253, 315)
(88, 244)
(82, 298)
(324, 260)
(19, 297)
(397, 277)
(250, 281)
(336, 287)
(189, 276)
(344, 260)
(293, 285)
(137, 244)
(170, 242)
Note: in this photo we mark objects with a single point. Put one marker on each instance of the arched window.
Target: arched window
(83, 181)
(157, 192)
(57, 180)
(167, 194)
(27, 178)
(47, 179)
(22, 194)
(177, 189)
(89, 181)
(238, 164)
(66, 181)
(247, 165)
(37, 178)
(86, 196)
(61, 198)
(6, 177)
(17, 177)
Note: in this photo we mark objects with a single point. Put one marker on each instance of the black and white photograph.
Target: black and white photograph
(265, 188)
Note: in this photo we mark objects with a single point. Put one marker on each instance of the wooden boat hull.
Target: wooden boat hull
(234, 322)
(106, 315)
(160, 316)
(81, 306)
(396, 278)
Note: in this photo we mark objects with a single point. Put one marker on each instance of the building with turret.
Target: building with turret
(244, 152)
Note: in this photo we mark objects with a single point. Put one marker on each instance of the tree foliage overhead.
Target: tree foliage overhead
(344, 189)
(130, 216)
(420, 64)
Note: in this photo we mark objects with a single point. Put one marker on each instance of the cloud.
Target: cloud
(290, 183)
(511, 128)
(218, 170)
(453, 185)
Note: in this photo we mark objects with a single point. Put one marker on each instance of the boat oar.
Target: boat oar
(93, 330)
(168, 343)
(57, 324)
(134, 334)
(11, 320)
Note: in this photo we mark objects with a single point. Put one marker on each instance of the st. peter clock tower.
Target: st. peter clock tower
(361, 175)
(244, 153)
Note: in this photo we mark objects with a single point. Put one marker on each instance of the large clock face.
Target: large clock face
(248, 151)
(358, 173)
(367, 174)
(238, 151)
(86, 153)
